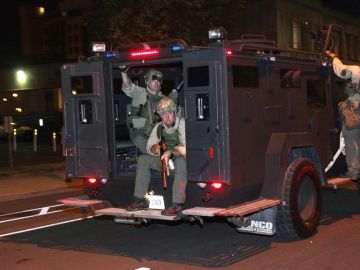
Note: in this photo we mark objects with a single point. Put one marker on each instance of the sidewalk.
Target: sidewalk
(34, 180)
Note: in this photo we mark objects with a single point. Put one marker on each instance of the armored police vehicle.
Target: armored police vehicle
(261, 126)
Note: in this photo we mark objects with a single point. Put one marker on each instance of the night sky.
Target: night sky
(10, 29)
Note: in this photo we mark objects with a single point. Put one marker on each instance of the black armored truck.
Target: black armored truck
(262, 126)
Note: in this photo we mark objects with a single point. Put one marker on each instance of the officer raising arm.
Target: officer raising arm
(172, 129)
(350, 112)
(141, 112)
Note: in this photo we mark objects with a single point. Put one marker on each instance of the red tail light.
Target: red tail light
(144, 53)
(216, 185)
(229, 52)
(211, 152)
(91, 180)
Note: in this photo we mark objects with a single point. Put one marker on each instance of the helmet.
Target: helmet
(153, 74)
(166, 105)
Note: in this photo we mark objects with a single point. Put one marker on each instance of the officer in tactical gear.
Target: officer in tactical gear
(141, 112)
(350, 109)
(172, 130)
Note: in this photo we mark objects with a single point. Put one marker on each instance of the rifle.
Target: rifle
(164, 170)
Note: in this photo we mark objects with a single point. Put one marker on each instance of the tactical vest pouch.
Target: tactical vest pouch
(138, 122)
(134, 121)
(351, 119)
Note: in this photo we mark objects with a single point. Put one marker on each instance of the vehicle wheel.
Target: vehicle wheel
(299, 215)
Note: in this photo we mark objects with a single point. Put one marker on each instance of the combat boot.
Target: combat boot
(174, 210)
(138, 204)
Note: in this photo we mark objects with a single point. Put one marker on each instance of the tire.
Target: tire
(299, 215)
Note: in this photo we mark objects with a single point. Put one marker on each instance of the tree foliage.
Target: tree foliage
(129, 21)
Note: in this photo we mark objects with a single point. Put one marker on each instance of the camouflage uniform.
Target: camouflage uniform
(141, 112)
(351, 136)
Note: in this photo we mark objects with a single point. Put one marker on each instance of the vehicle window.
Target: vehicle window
(290, 78)
(198, 76)
(85, 112)
(245, 76)
(117, 86)
(316, 95)
(81, 85)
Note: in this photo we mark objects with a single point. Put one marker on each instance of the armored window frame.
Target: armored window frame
(290, 78)
(82, 84)
(316, 93)
(245, 76)
(198, 76)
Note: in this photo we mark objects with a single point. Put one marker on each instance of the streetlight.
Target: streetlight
(21, 77)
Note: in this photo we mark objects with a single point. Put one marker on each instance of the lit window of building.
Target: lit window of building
(40, 11)
(296, 35)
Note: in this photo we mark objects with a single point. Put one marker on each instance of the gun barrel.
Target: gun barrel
(163, 163)
(164, 174)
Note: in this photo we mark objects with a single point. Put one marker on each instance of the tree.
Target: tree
(129, 21)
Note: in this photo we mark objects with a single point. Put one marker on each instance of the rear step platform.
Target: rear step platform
(79, 202)
(92, 205)
(335, 182)
(105, 208)
(248, 207)
(120, 212)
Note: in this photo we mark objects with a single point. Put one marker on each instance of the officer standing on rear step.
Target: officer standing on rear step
(350, 112)
(172, 130)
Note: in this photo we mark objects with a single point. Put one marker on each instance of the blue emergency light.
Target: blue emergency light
(109, 54)
(176, 47)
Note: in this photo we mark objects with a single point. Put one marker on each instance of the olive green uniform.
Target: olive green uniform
(352, 139)
(173, 136)
(141, 114)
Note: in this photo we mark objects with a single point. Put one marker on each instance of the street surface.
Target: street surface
(99, 243)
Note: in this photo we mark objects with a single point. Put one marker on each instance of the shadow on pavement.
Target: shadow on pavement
(214, 245)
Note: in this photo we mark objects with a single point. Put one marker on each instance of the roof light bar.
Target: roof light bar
(147, 52)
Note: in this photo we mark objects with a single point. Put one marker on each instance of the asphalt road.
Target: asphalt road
(101, 244)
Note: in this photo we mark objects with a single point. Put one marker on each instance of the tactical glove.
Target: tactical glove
(124, 68)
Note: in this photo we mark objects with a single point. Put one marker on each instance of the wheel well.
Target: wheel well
(282, 149)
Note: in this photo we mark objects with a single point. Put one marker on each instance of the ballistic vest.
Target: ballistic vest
(171, 140)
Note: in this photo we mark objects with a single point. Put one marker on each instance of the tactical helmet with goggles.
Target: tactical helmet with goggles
(166, 105)
(153, 74)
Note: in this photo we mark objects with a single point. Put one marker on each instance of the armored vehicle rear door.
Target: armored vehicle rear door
(205, 117)
(85, 130)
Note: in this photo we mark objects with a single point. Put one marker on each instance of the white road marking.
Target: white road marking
(46, 226)
(36, 215)
(30, 210)
(44, 210)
